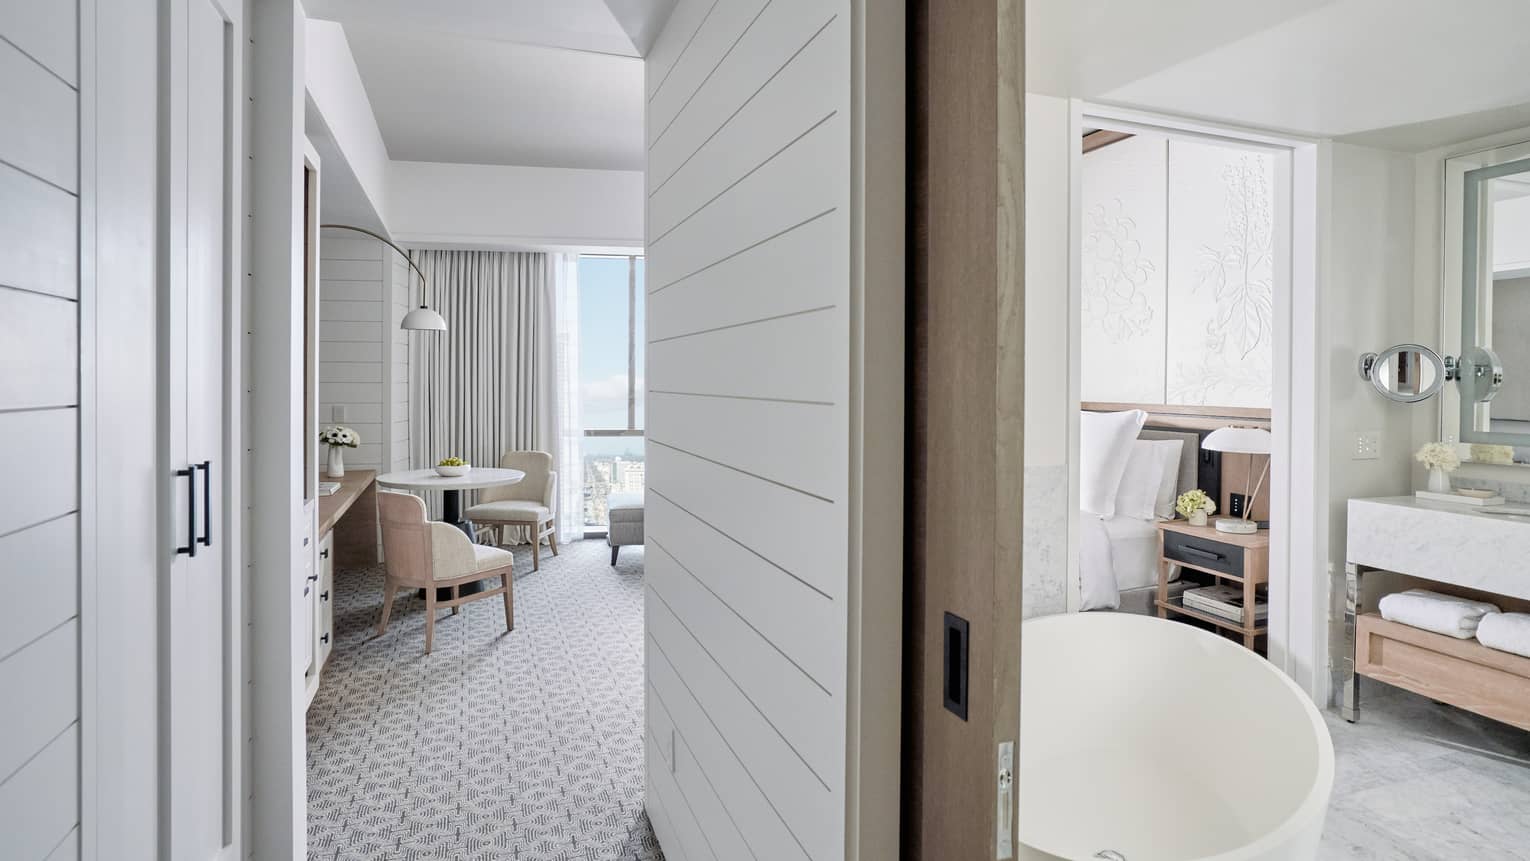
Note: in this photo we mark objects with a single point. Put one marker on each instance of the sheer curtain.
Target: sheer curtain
(568, 445)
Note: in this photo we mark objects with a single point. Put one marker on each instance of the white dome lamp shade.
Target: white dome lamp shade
(421, 319)
(1250, 441)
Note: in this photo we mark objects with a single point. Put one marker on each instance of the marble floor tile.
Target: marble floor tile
(1417, 779)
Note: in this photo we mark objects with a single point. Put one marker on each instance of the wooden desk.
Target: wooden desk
(351, 513)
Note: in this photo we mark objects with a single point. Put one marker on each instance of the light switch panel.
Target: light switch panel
(1367, 446)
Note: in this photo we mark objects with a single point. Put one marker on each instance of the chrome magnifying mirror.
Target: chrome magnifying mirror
(1405, 373)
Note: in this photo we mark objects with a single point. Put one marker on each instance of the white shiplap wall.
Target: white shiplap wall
(39, 431)
(363, 360)
(748, 506)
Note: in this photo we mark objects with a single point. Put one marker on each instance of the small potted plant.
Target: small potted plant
(338, 437)
(1195, 506)
(1441, 459)
(452, 467)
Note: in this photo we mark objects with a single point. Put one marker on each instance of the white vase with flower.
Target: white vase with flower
(338, 438)
(1441, 458)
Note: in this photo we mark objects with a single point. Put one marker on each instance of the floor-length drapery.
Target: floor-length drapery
(568, 447)
(487, 385)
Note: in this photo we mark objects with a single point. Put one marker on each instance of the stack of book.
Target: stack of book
(1225, 602)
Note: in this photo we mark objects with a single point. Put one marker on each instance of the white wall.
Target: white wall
(334, 84)
(1048, 346)
(1368, 240)
(40, 399)
(512, 208)
(119, 604)
(363, 368)
(758, 315)
(278, 526)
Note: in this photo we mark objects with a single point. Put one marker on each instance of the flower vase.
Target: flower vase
(1198, 518)
(336, 462)
(1439, 481)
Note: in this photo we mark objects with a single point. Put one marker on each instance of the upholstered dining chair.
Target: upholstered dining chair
(430, 555)
(530, 502)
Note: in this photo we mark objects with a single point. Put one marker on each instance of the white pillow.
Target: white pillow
(1168, 451)
(1137, 497)
(1105, 444)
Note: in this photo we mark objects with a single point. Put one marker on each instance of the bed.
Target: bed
(1118, 557)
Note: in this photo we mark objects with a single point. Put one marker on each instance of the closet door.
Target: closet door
(196, 740)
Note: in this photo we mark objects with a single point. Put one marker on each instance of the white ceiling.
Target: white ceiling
(540, 83)
(583, 25)
(1400, 74)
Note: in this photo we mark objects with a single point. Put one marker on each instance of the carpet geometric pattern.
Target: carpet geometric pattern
(526, 746)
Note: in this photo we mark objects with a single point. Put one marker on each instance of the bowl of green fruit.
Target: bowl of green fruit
(453, 467)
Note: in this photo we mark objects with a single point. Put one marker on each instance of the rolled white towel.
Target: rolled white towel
(1432, 611)
(1506, 632)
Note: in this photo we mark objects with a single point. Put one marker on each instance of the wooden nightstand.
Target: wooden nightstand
(1243, 559)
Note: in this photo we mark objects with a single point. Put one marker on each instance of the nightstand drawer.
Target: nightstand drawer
(1203, 553)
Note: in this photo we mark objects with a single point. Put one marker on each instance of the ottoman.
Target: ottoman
(626, 515)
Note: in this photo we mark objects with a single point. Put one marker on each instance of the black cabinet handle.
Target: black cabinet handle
(324, 554)
(324, 638)
(1202, 554)
(324, 595)
(206, 467)
(190, 473)
(313, 578)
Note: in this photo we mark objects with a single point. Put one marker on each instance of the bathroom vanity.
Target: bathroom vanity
(1477, 553)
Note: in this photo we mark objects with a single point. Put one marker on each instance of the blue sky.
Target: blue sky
(603, 350)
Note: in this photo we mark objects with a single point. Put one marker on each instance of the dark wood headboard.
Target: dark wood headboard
(1220, 474)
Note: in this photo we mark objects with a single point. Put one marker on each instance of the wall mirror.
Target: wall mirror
(1406, 373)
(1488, 194)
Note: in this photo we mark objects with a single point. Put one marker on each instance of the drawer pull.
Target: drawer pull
(1201, 554)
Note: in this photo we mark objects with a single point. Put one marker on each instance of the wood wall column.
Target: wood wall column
(965, 414)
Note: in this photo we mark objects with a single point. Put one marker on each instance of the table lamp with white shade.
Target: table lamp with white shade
(1250, 441)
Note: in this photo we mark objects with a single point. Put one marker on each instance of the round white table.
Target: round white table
(477, 478)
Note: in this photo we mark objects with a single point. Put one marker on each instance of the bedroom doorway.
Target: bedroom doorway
(1193, 273)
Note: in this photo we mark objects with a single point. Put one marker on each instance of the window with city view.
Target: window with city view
(611, 380)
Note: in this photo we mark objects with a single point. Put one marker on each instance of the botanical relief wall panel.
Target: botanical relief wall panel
(1125, 234)
(1220, 275)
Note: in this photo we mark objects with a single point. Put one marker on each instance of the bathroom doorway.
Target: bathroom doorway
(1192, 271)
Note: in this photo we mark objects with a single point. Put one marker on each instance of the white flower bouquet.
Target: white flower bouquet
(1438, 455)
(337, 435)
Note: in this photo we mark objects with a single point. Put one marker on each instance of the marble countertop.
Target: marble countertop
(1459, 544)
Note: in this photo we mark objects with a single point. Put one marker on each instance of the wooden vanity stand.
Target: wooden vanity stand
(1448, 549)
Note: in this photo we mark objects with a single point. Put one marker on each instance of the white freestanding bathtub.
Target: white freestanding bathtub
(1157, 741)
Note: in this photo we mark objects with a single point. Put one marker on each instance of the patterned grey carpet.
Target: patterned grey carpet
(525, 746)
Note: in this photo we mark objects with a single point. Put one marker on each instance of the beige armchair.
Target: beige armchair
(530, 503)
(428, 554)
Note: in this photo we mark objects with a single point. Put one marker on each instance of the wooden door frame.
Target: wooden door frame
(966, 328)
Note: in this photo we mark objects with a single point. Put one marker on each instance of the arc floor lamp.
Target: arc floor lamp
(421, 319)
